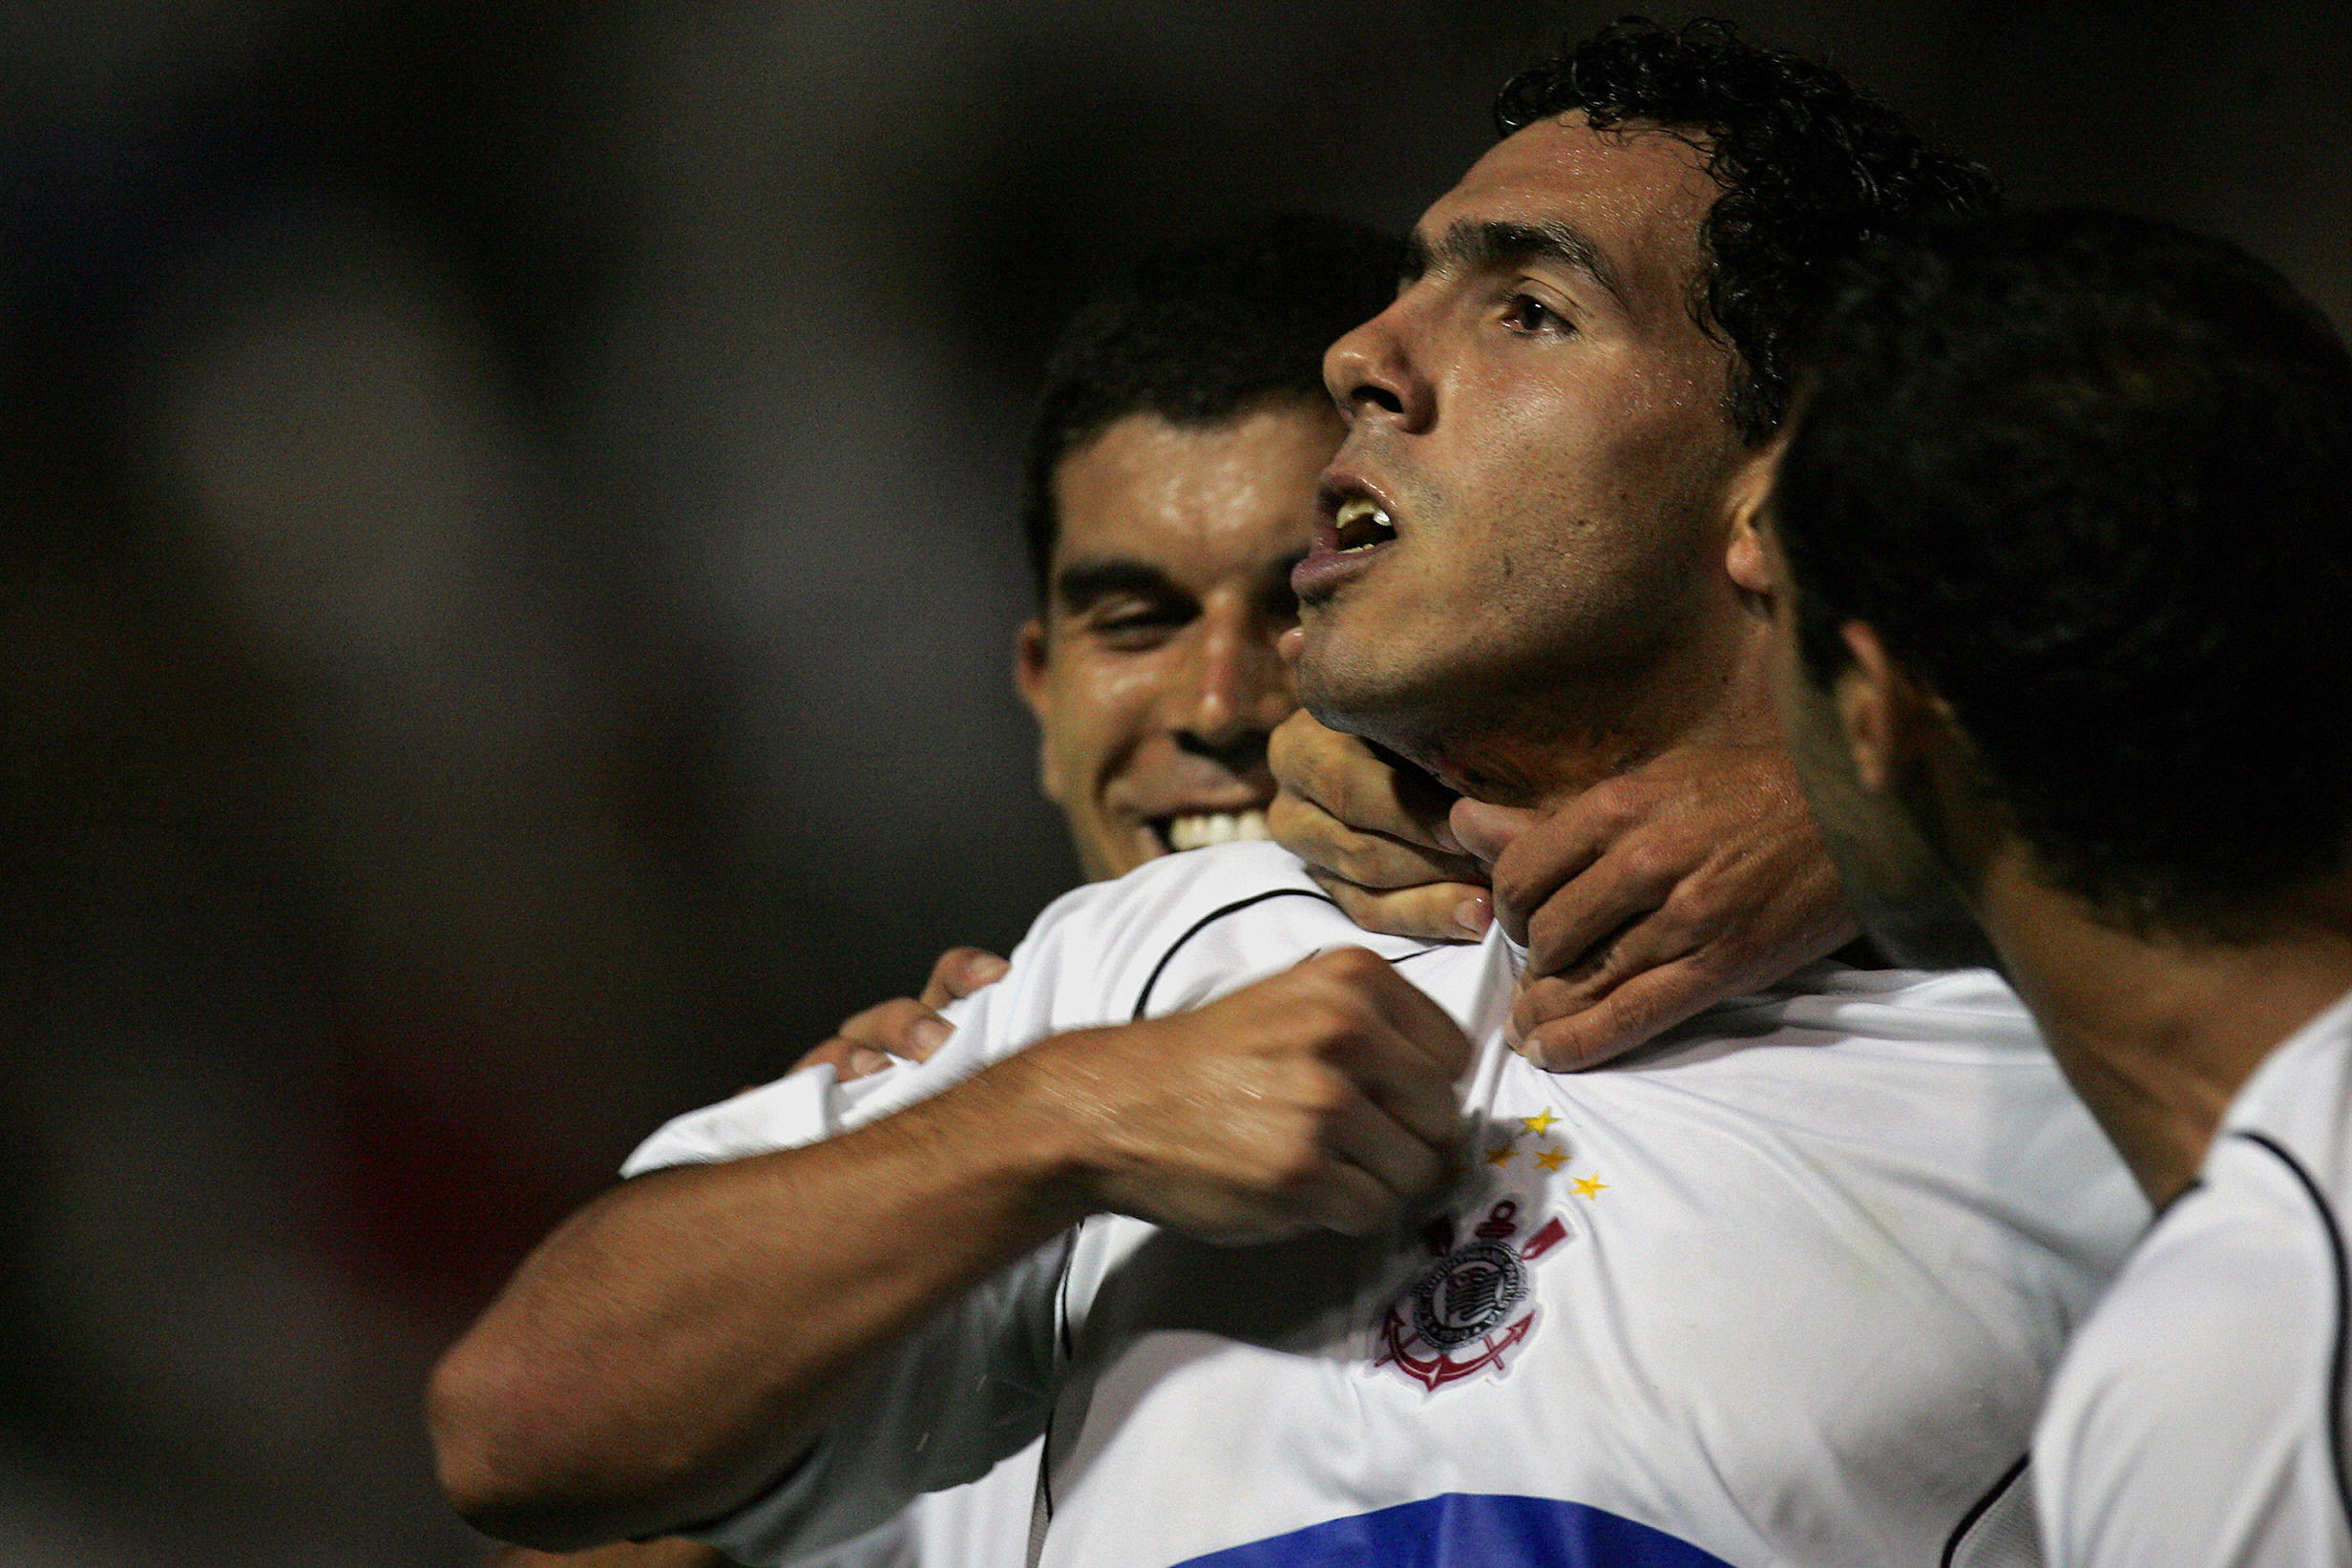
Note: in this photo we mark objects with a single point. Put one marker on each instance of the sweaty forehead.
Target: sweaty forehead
(1638, 195)
(1199, 501)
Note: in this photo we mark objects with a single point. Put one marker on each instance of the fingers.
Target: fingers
(959, 973)
(1323, 1096)
(1543, 858)
(1411, 1091)
(1434, 912)
(1634, 1012)
(1344, 1197)
(1367, 859)
(901, 1027)
(1702, 877)
(1358, 788)
(1364, 1138)
(1375, 836)
(848, 1059)
(1486, 831)
(1370, 860)
(1660, 938)
(1417, 1023)
(1630, 889)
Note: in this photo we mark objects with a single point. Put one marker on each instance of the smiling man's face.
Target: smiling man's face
(1524, 532)
(1153, 671)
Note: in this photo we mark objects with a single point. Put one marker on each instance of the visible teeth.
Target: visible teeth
(1197, 832)
(1361, 524)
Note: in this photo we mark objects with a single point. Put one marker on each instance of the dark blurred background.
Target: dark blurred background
(508, 578)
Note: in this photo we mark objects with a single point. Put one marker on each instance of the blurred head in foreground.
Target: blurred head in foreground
(2064, 529)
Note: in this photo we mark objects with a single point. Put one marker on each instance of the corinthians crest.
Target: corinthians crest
(1470, 1306)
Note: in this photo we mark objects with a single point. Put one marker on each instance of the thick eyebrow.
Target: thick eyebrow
(1475, 245)
(1082, 583)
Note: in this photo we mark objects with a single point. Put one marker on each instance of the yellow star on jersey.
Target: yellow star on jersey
(1551, 1159)
(1588, 1187)
(1501, 1155)
(1539, 1123)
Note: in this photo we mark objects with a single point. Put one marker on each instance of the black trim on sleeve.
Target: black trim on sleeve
(2336, 1362)
(1210, 919)
(1980, 1508)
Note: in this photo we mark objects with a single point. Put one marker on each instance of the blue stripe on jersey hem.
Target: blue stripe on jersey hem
(1470, 1530)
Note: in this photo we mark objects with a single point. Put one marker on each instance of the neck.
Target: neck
(2158, 1031)
(1540, 744)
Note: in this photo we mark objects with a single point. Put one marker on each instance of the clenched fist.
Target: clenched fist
(1322, 1097)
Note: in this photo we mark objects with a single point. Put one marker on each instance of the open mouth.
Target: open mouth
(1359, 524)
(1199, 829)
(1354, 528)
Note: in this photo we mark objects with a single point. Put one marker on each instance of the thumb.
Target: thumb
(1486, 830)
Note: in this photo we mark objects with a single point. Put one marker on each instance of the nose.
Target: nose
(1371, 371)
(1238, 689)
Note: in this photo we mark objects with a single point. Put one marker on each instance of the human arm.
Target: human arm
(676, 1344)
(906, 1028)
(1650, 896)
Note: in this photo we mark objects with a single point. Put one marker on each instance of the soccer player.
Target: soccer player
(1169, 490)
(1303, 1263)
(2064, 653)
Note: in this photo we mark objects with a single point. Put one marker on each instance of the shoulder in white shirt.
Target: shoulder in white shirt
(2199, 1416)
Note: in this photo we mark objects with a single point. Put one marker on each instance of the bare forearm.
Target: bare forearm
(682, 1341)
(679, 1343)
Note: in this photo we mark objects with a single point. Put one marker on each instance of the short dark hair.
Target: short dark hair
(1811, 170)
(2087, 476)
(1199, 333)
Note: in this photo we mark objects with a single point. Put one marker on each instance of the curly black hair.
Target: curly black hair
(1199, 333)
(2087, 476)
(1812, 169)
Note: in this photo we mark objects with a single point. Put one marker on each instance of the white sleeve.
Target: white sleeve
(811, 1105)
(1044, 991)
(976, 1385)
(972, 1388)
(2190, 1414)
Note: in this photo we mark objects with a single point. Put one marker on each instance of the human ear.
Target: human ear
(1873, 697)
(1031, 653)
(1029, 656)
(1745, 559)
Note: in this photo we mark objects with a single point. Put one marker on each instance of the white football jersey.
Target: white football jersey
(1782, 1290)
(2198, 1419)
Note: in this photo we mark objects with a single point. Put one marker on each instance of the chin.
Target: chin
(1344, 683)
